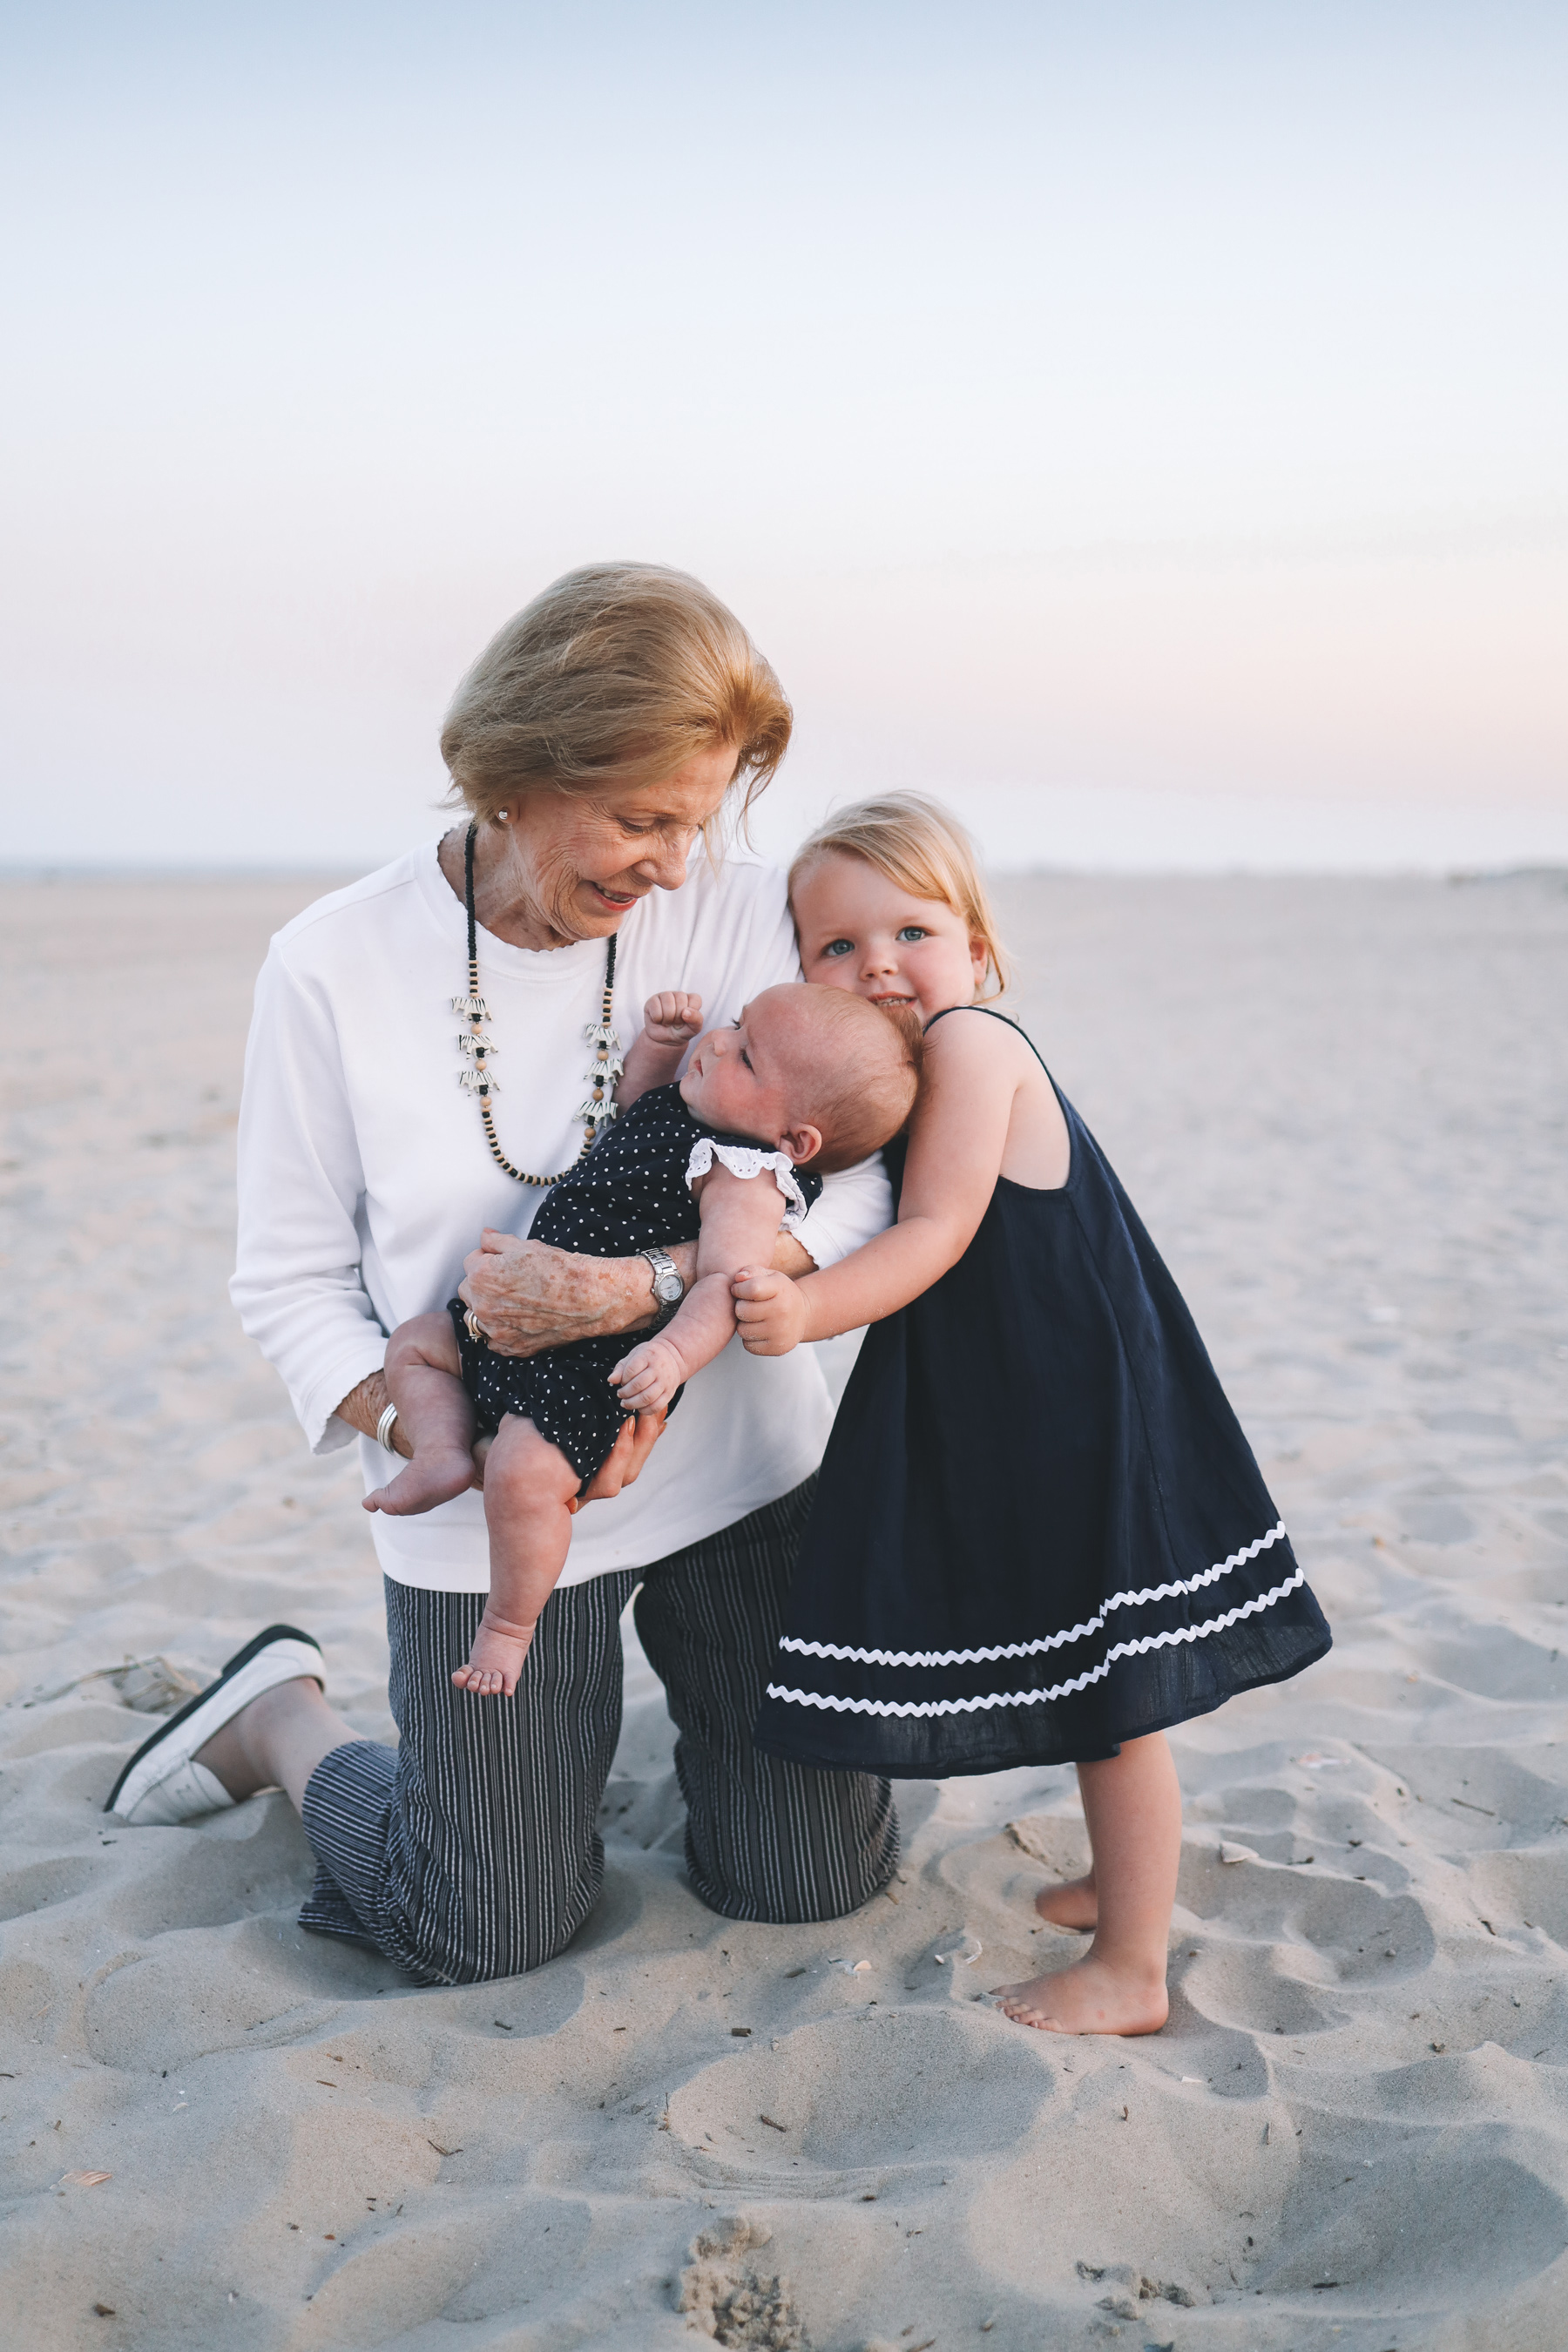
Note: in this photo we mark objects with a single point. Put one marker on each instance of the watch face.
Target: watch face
(667, 1288)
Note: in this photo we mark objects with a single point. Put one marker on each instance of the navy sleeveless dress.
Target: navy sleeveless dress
(1038, 1529)
(632, 1191)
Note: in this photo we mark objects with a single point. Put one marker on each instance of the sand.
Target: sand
(1341, 1108)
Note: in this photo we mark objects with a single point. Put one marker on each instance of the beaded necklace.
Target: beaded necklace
(478, 1053)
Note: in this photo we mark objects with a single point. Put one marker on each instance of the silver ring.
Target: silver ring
(472, 1320)
(384, 1428)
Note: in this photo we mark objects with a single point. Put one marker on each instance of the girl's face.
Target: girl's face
(859, 931)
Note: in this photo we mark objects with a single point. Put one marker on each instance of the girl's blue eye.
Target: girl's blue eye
(840, 947)
(911, 931)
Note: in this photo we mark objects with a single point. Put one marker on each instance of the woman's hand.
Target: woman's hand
(770, 1311)
(624, 1463)
(528, 1296)
(363, 1408)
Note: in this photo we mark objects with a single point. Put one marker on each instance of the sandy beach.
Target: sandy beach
(1339, 1107)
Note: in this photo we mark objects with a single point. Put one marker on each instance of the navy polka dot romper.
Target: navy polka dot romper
(633, 1192)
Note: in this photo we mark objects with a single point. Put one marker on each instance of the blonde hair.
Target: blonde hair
(919, 845)
(618, 672)
(861, 1089)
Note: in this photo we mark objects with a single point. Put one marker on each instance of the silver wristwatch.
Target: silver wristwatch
(668, 1289)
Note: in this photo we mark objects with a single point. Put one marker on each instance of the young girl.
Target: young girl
(1039, 1535)
(719, 1158)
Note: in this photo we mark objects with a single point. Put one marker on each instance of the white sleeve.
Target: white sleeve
(296, 1281)
(855, 1206)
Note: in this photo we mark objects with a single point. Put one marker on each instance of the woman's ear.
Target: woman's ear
(801, 1143)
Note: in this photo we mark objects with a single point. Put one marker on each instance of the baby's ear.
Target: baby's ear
(801, 1143)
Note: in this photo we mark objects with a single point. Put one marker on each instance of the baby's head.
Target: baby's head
(887, 900)
(815, 1072)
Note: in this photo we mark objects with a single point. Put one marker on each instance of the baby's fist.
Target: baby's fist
(649, 1377)
(672, 1017)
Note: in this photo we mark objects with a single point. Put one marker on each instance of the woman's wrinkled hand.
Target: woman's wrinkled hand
(769, 1311)
(528, 1296)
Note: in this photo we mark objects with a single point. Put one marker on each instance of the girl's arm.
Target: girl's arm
(971, 1075)
(740, 1226)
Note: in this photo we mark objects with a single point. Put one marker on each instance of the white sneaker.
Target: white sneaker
(163, 1784)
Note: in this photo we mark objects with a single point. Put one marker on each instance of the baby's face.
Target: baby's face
(747, 1078)
(859, 931)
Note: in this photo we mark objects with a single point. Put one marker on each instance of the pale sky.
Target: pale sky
(1142, 424)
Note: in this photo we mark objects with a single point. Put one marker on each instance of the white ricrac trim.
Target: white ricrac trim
(1048, 1641)
(926, 1706)
(750, 1160)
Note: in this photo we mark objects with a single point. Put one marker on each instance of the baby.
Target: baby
(806, 1074)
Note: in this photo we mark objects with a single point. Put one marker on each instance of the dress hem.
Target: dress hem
(1016, 1755)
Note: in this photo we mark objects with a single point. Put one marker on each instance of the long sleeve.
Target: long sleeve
(297, 1283)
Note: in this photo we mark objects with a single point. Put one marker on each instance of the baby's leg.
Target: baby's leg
(529, 1487)
(1133, 1804)
(433, 1406)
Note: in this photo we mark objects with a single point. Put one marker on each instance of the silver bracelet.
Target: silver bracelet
(384, 1429)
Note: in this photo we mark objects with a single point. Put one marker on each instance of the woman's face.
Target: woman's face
(859, 931)
(581, 864)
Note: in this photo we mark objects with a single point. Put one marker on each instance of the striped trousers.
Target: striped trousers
(472, 1850)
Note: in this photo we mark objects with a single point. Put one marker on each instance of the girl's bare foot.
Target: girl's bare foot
(1071, 1905)
(1091, 1997)
(495, 1661)
(433, 1476)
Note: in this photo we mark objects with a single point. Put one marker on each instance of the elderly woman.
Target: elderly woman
(596, 742)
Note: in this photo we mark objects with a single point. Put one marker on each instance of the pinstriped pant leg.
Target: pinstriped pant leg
(765, 1839)
(473, 1850)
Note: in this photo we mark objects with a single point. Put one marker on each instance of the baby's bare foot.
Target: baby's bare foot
(1071, 1905)
(1091, 1997)
(494, 1664)
(430, 1478)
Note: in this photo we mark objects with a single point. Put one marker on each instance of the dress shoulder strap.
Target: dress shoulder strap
(1005, 1020)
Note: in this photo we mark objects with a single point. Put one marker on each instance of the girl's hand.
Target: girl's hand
(672, 1018)
(649, 1377)
(769, 1310)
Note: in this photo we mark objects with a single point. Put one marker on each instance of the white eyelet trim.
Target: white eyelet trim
(750, 1160)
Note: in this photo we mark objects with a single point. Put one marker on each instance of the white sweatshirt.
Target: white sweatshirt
(364, 1178)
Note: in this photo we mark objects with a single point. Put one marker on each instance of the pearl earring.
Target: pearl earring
(503, 816)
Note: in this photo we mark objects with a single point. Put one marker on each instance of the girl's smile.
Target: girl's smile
(858, 929)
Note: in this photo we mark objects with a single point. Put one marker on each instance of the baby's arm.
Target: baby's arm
(741, 1218)
(671, 1021)
(971, 1074)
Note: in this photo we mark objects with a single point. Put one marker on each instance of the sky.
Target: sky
(1142, 424)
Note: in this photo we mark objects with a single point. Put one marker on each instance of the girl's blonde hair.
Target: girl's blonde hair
(923, 849)
(618, 671)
